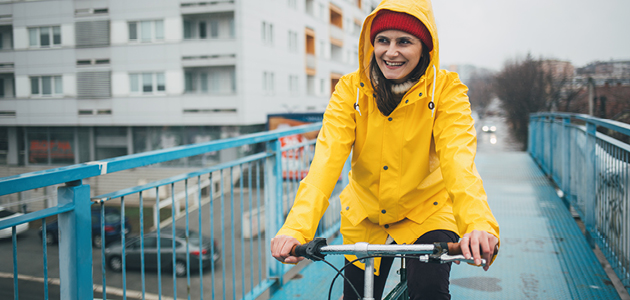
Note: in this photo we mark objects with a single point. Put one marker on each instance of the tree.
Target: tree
(523, 88)
(480, 90)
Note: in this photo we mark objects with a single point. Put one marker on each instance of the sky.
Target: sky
(487, 33)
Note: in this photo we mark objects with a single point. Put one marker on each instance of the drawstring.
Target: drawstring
(433, 94)
(356, 105)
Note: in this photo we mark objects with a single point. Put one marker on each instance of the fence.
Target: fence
(215, 249)
(589, 162)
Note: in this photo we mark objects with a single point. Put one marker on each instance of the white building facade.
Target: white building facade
(88, 80)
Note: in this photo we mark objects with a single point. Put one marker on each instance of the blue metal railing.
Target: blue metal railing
(591, 169)
(241, 198)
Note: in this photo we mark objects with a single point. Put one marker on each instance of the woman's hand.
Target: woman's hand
(479, 244)
(281, 247)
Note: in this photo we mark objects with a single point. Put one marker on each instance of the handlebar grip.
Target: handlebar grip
(455, 249)
(310, 250)
(299, 250)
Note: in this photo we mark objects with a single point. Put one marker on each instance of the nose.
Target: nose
(392, 50)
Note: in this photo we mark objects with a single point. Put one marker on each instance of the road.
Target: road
(241, 269)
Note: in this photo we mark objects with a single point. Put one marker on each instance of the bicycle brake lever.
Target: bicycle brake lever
(445, 258)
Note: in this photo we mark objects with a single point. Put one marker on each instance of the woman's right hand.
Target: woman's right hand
(281, 249)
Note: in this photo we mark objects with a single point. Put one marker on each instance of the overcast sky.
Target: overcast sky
(485, 33)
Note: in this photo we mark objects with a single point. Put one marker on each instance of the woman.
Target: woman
(413, 177)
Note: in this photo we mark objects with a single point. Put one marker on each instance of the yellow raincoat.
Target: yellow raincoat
(412, 171)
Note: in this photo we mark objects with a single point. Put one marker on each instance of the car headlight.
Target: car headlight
(484, 128)
(493, 128)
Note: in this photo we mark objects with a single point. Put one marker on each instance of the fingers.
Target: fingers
(477, 245)
(281, 248)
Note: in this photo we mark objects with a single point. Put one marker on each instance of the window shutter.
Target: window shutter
(92, 33)
(94, 85)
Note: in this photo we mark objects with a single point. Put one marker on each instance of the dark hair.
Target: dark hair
(385, 101)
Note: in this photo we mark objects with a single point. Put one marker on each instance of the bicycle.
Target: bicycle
(318, 248)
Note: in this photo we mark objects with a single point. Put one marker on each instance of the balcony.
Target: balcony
(197, 53)
(200, 6)
(336, 34)
(311, 63)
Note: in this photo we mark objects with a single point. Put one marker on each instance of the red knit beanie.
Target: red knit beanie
(387, 19)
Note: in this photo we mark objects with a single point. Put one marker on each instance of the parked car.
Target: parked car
(8, 232)
(197, 250)
(112, 227)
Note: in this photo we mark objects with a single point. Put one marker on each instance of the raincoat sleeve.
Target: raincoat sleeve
(334, 142)
(456, 146)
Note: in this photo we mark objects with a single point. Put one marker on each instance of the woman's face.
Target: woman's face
(397, 54)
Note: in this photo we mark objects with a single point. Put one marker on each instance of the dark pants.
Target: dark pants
(425, 281)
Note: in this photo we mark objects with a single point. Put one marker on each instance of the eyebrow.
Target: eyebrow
(409, 38)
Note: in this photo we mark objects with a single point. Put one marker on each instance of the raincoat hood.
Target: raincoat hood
(422, 10)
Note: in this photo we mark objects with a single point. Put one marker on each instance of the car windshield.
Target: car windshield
(6, 213)
(112, 218)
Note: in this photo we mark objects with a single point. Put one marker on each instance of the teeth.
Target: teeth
(394, 64)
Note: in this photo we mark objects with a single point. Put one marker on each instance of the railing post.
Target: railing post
(591, 176)
(273, 208)
(530, 135)
(565, 184)
(75, 242)
(346, 169)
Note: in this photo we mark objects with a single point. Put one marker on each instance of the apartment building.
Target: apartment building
(89, 80)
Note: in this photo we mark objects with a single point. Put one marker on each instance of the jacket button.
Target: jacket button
(362, 84)
(435, 203)
(347, 207)
(386, 225)
(406, 101)
(390, 119)
(420, 95)
(385, 168)
(374, 95)
(383, 211)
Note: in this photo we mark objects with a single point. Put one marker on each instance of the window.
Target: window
(293, 84)
(322, 87)
(147, 83)
(293, 4)
(188, 29)
(268, 85)
(293, 42)
(212, 80)
(91, 33)
(147, 31)
(46, 86)
(44, 37)
(203, 30)
(214, 29)
(209, 26)
(94, 85)
(267, 33)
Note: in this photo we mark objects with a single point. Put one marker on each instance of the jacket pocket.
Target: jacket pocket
(351, 207)
(429, 206)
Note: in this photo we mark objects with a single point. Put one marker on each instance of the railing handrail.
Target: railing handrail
(23, 182)
(610, 124)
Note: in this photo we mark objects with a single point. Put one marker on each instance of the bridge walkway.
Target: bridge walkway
(544, 254)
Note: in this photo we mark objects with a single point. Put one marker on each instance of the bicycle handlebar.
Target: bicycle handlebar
(317, 249)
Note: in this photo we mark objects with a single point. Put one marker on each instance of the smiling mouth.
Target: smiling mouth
(394, 64)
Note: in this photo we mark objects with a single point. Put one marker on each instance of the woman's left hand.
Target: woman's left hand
(479, 244)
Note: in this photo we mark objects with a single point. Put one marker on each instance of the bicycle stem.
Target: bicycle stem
(368, 289)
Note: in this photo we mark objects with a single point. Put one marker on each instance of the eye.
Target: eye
(404, 41)
(382, 40)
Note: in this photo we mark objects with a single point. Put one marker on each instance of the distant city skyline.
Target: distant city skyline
(486, 33)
